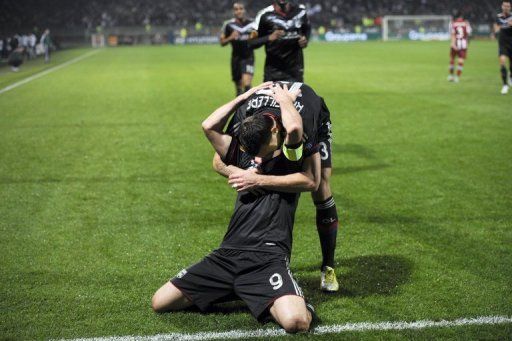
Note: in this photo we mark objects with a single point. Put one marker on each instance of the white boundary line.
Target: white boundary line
(45, 72)
(321, 330)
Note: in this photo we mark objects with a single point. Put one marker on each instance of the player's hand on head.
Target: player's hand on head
(249, 93)
(303, 41)
(281, 94)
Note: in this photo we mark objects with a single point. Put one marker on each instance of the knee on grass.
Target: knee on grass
(298, 323)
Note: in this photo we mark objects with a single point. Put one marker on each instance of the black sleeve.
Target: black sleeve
(227, 30)
(263, 34)
(236, 119)
(306, 27)
(232, 157)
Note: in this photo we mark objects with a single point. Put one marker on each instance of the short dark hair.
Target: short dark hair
(255, 131)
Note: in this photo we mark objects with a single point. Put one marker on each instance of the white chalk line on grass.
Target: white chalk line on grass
(45, 72)
(321, 330)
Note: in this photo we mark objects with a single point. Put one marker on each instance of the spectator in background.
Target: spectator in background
(46, 42)
(16, 59)
(32, 41)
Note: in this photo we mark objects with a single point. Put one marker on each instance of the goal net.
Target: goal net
(416, 27)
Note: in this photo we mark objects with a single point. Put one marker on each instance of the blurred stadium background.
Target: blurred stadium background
(162, 22)
(106, 186)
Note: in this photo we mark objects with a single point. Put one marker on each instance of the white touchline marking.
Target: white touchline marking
(332, 329)
(45, 72)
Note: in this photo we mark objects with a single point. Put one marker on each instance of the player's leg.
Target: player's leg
(326, 212)
(239, 88)
(201, 284)
(169, 298)
(291, 313)
(327, 228)
(247, 75)
(451, 69)
(504, 74)
(236, 75)
(269, 289)
(460, 63)
(246, 81)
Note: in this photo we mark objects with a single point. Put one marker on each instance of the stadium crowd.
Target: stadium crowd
(92, 14)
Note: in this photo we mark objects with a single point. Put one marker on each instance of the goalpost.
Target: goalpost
(416, 27)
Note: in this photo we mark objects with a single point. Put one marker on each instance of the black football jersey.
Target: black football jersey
(263, 222)
(310, 106)
(284, 53)
(505, 27)
(240, 47)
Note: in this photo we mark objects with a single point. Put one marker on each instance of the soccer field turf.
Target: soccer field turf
(107, 190)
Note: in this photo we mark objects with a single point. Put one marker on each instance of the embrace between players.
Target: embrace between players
(270, 151)
(277, 144)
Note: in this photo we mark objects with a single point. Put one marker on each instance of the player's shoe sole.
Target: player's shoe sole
(328, 281)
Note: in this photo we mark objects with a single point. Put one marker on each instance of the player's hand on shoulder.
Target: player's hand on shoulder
(303, 42)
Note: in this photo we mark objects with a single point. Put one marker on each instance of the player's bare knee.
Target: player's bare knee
(155, 304)
(297, 323)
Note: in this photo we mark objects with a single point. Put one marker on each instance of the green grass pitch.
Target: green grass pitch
(106, 190)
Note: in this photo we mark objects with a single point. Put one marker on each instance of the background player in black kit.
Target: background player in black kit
(503, 28)
(317, 128)
(238, 31)
(253, 259)
(285, 58)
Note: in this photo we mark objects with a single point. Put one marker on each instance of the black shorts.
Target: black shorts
(257, 278)
(325, 137)
(273, 74)
(241, 66)
(505, 46)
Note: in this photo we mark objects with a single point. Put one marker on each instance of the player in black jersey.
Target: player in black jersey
(317, 129)
(252, 262)
(238, 31)
(503, 28)
(285, 58)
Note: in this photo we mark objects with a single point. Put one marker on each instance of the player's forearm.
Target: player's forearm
(217, 120)
(292, 183)
(258, 42)
(225, 41)
(221, 168)
(292, 122)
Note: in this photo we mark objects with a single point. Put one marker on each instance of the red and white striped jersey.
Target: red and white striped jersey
(461, 30)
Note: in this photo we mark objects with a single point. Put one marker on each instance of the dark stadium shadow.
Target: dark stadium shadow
(360, 151)
(354, 149)
(362, 276)
(393, 219)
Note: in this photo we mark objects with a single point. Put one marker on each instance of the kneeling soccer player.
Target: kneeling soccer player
(317, 131)
(253, 259)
